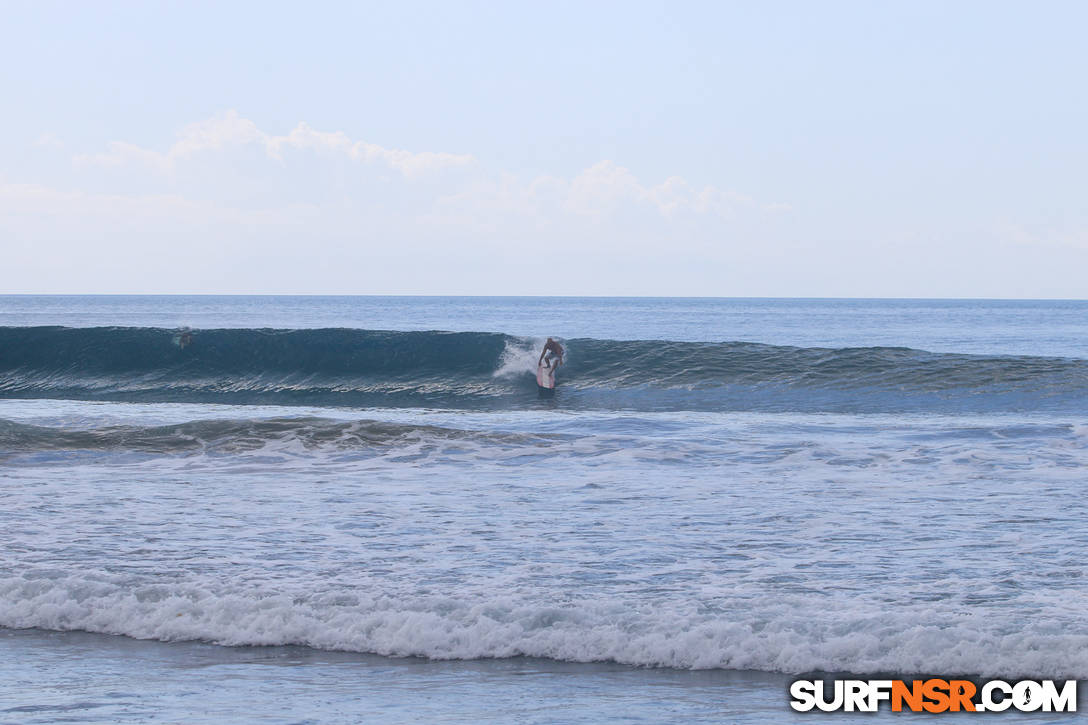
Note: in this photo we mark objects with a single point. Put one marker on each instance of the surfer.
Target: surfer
(554, 352)
(551, 357)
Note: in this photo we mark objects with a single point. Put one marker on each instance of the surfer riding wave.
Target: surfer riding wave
(551, 357)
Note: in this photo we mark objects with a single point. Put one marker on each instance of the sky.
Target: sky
(770, 149)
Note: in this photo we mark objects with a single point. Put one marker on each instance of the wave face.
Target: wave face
(346, 367)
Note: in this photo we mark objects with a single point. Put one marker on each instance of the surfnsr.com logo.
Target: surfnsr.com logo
(934, 695)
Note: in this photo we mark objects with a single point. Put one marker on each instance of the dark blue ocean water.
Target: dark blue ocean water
(728, 492)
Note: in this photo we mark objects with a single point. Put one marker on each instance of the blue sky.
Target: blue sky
(729, 149)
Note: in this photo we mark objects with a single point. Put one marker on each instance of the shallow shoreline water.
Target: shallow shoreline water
(94, 678)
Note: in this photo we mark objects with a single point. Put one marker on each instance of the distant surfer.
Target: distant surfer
(551, 357)
(183, 338)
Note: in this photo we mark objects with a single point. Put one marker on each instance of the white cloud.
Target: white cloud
(229, 130)
(229, 206)
(601, 193)
(481, 201)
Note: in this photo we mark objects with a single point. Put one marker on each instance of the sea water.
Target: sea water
(312, 509)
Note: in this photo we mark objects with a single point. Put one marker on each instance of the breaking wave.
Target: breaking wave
(749, 630)
(352, 368)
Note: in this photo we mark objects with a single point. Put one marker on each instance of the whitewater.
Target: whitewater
(723, 495)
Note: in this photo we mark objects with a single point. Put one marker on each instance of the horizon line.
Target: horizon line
(507, 296)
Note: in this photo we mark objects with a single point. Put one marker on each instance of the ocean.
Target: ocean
(358, 509)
